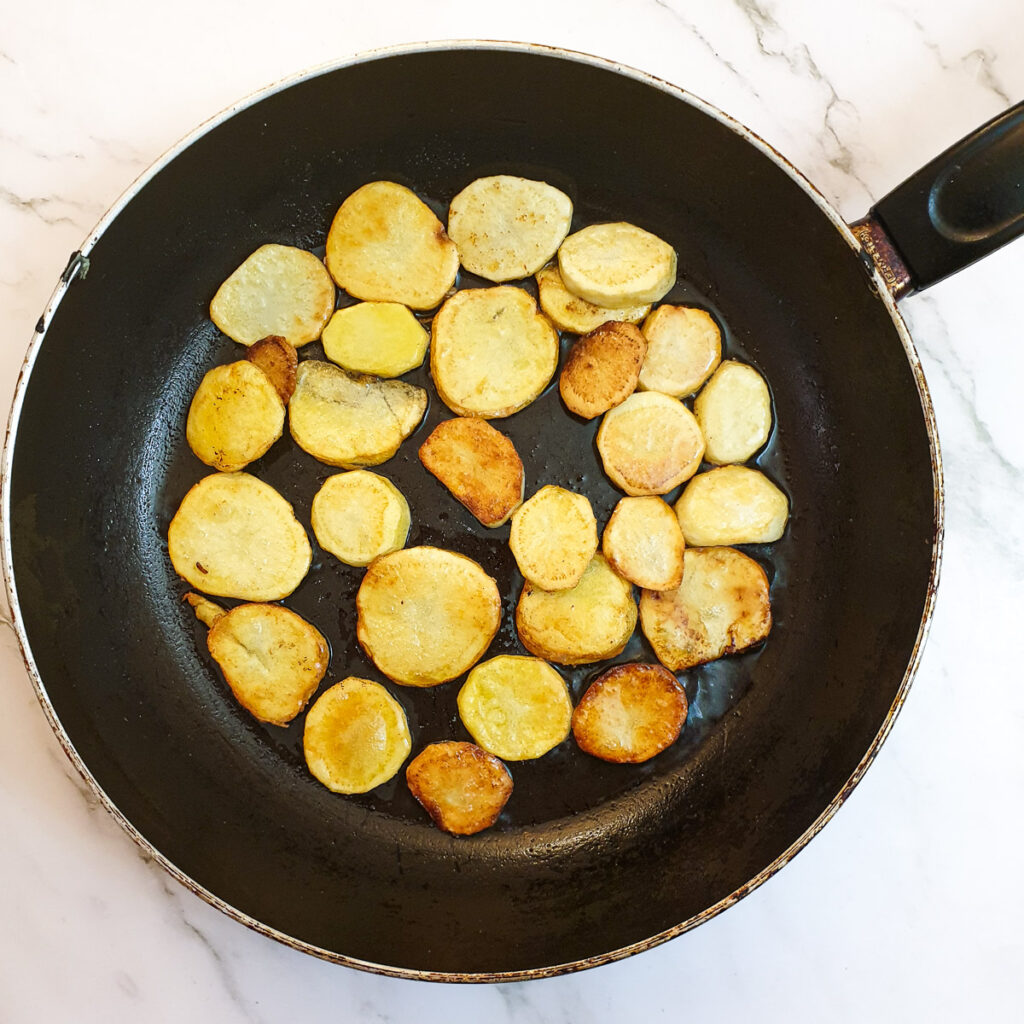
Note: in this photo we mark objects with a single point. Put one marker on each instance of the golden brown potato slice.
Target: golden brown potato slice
(602, 369)
(278, 290)
(591, 621)
(235, 536)
(386, 245)
(359, 515)
(630, 713)
(644, 544)
(722, 606)
(356, 736)
(426, 615)
(732, 505)
(235, 416)
(478, 464)
(734, 411)
(462, 787)
(382, 338)
(278, 360)
(492, 353)
(554, 537)
(649, 443)
(516, 708)
(508, 227)
(569, 312)
(684, 346)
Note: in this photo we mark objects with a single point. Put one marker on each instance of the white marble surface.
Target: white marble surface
(908, 906)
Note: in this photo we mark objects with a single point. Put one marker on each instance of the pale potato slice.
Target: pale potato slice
(386, 245)
(492, 353)
(479, 465)
(426, 615)
(278, 290)
(508, 227)
(630, 713)
(359, 515)
(644, 544)
(235, 536)
(356, 736)
(722, 606)
(278, 360)
(235, 416)
(382, 338)
(554, 537)
(649, 443)
(602, 369)
(569, 312)
(589, 622)
(617, 265)
(684, 346)
(516, 708)
(734, 411)
(732, 505)
(462, 787)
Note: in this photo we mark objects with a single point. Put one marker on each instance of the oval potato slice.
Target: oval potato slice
(602, 369)
(569, 312)
(382, 338)
(278, 360)
(732, 505)
(358, 515)
(684, 346)
(644, 543)
(734, 411)
(554, 537)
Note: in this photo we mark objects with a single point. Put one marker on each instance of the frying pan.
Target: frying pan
(590, 862)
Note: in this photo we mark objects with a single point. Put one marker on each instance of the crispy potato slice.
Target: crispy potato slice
(207, 611)
(554, 537)
(386, 245)
(732, 505)
(356, 736)
(382, 338)
(358, 515)
(479, 465)
(492, 353)
(278, 360)
(722, 606)
(569, 312)
(591, 621)
(630, 713)
(462, 787)
(516, 708)
(235, 416)
(426, 615)
(508, 227)
(649, 443)
(734, 411)
(278, 290)
(602, 369)
(235, 536)
(644, 543)
(684, 346)
(617, 265)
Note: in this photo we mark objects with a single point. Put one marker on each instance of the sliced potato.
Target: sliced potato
(356, 736)
(235, 416)
(644, 544)
(732, 505)
(277, 358)
(569, 312)
(235, 536)
(649, 443)
(386, 245)
(602, 369)
(617, 265)
(516, 708)
(630, 713)
(734, 411)
(382, 338)
(508, 227)
(358, 515)
(426, 615)
(554, 537)
(589, 622)
(722, 606)
(478, 464)
(462, 787)
(492, 353)
(684, 346)
(278, 290)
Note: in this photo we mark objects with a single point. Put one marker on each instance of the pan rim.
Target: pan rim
(875, 282)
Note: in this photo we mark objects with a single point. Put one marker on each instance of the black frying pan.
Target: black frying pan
(590, 861)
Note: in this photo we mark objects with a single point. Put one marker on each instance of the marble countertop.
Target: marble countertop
(907, 906)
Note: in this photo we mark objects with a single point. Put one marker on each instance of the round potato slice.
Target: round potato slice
(644, 544)
(235, 536)
(516, 708)
(381, 338)
(554, 537)
(426, 615)
(650, 443)
(684, 346)
(356, 736)
(492, 352)
(602, 369)
(732, 505)
(278, 290)
(734, 411)
(630, 713)
(359, 515)
(569, 312)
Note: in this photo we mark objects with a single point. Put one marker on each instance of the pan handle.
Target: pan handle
(963, 205)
